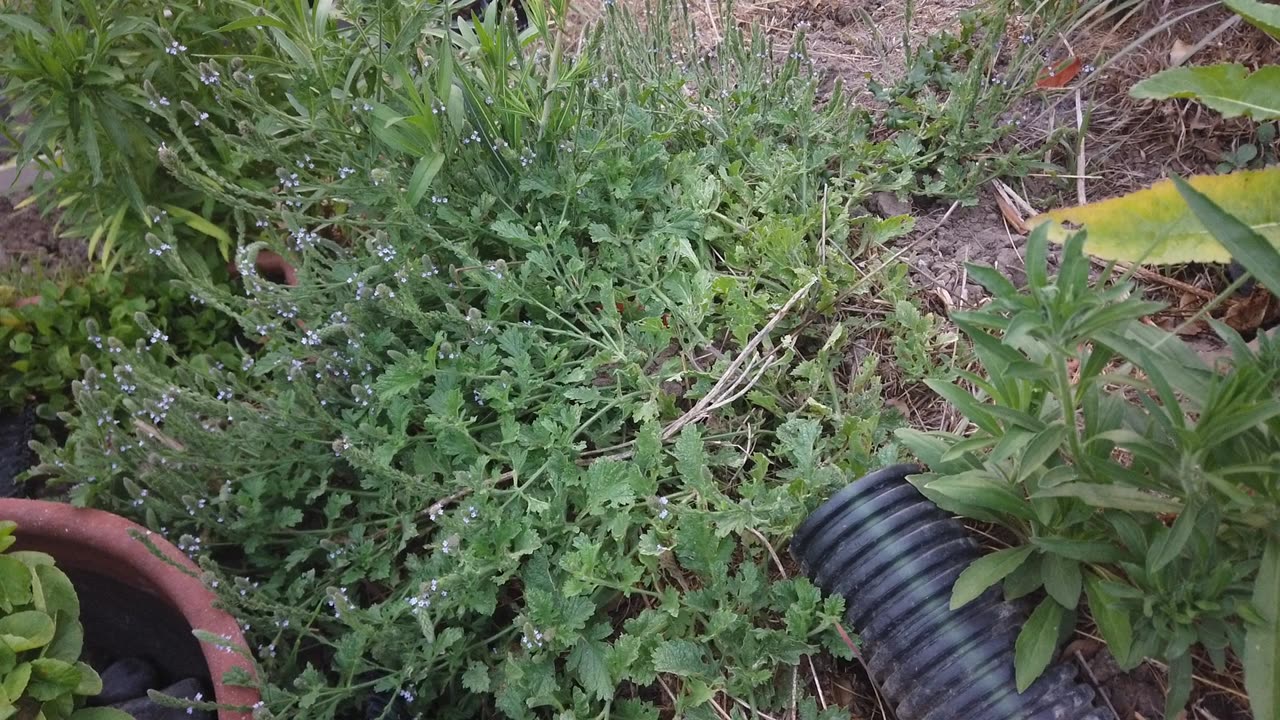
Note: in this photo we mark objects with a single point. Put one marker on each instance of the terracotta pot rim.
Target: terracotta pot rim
(97, 540)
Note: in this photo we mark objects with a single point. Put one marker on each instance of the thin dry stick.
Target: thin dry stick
(1154, 276)
(817, 685)
(1080, 161)
(754, 711)
(1204, 41)
(1165, 668)
(731, 376)
(1094, 679)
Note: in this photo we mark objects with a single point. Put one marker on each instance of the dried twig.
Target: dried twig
(731, 381)
(1094, 679)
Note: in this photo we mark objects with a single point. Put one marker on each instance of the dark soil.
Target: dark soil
(30, 247)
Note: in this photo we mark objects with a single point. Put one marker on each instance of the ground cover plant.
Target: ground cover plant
(581, 330)
(566, 360)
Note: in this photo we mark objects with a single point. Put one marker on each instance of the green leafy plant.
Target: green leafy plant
(565, 363)
(1135, 478)
(41, 344)
(41, 674)
(75, 71)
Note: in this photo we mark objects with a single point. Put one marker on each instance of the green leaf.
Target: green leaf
(1264, 16)
(1257, 254)
(254, 21)
(683, 658)
(1037, 642)
(979, 490)
(476, 678)
(90, 683)
(1086, 551)
(15, 583)
(1262, 640)
(1040, 449)
(423, 174)
(966, 403)
(51, 678)
(1110, 617)
(588, 659)
(1156, 225)
(1228, 88)
(199, 224)
(1113, 496)
(1180, 670)
(1062, 579)
(1169, 543)
(57, 592)
(26, 630)
(985, 572)
(15, 680)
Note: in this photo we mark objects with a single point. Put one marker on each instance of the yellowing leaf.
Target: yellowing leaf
(1227, 88)
(1156, 225)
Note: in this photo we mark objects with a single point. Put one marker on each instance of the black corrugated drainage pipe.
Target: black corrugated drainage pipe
(894, 556)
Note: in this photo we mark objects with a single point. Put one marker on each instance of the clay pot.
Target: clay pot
(104, 544)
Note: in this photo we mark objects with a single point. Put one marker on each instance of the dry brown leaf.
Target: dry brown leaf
(1252, 312)
(1180, 52)
(1012, 216)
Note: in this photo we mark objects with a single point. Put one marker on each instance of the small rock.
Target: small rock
(126, 679)
(143, 708)
(888, 205)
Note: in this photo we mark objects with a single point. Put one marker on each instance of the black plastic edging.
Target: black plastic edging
(894, 557)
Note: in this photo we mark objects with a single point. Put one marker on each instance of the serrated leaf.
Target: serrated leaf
(476, 678)
(985, 572)
(683, 658)
(1037, 642)
(1157, 226)
(588, 660)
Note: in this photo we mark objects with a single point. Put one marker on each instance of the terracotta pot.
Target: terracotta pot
(103, 543)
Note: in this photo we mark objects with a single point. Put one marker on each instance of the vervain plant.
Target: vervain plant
(550, 389)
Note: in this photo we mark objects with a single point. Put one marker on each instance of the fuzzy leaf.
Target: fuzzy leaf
(476, 678)
(1110, 617)
(985, 572)
(1037, 642)
(683, 658)
(1157, 226)
(1228, 88)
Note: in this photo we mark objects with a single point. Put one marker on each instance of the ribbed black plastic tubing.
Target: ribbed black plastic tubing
(894, 555)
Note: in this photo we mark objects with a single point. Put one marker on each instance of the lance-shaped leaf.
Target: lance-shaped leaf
(1229, 88)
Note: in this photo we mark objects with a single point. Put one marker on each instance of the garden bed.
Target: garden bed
(575, 336)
